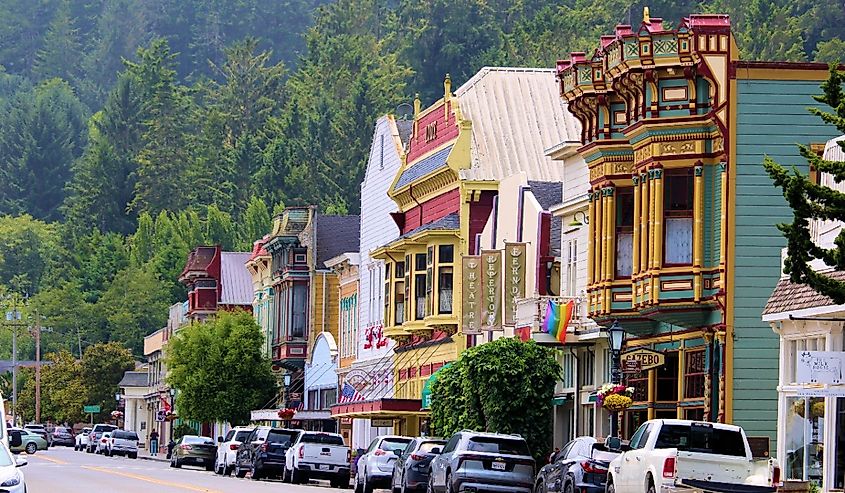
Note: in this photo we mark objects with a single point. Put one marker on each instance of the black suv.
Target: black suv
(263, 452)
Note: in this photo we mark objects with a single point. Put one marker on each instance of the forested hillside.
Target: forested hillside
(191, 120)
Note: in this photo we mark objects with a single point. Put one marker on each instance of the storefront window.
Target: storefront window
(667, 379)
(804, 435)
(640, 383)
(694, 374)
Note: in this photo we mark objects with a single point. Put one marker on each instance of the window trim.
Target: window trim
(688, 173)
(618, 230)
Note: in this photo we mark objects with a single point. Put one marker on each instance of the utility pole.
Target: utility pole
(79, 342)
(37, 368)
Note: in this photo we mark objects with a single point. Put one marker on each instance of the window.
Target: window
(328, 398)
(420, 285)
(640, 383)
(624, 231)
(283, 437)
(667, 379)
(388, 286)
(567, 364)
(229, 436)
(429, 281)
(571, 267)
(399, 294)
(694, 374)
(677, 217)
(445, 273)
(588, 419)
(635, 440)
(322, 438)
(453, 442)
(313, 399)
(702, 438)
(694, 413)
(300, 310)
(586, 368)
(495, 445)
(793, 348)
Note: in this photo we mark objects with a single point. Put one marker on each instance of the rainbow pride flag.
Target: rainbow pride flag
(557, 320)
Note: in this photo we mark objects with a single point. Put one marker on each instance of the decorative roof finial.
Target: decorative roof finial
(417, 105)
(646, 17)
(447, 88)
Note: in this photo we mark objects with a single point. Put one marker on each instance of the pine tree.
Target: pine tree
(219, 228)
(811, 201)
(142, 241)
(61, 50)
(256, 223)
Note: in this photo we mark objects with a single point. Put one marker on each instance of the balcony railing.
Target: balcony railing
(531, 312)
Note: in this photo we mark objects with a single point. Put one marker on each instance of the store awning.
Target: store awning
(312, 415)
(426, 391)
(380, 408)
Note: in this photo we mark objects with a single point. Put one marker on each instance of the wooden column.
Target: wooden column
(698, 231)
(635, 269)
(610, 254)
(606, 252)
(591, 213)
(720, 336)
(597, 247)
(644, 208)
(657, 231)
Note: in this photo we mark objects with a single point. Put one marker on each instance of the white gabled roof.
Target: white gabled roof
(517, 114)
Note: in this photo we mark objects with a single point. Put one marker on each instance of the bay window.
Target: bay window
(677, 217)
(419, 285)
(445, 275)
(388, 287)
(429, 281)
(300, 310)
(399, 294)
(624, 232)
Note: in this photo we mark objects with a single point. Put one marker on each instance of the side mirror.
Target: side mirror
(613, 443)
(435, 450)
(21, 461)
(15, 439)
(219, 439)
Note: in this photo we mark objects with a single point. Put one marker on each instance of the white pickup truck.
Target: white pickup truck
(318, 455)
(673, 455)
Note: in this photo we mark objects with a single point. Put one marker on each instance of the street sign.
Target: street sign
(647, 358)
(91, 409)
(632, 366)
(161, 416)
(382, 423)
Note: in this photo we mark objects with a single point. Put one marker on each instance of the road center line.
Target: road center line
(151, 480)
(48, 459)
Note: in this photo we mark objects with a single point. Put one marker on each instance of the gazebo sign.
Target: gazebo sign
(646, 358)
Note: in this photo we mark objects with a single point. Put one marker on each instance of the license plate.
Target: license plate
(324, 467)
(499, 466)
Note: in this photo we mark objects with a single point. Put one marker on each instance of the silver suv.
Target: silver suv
(483, 462)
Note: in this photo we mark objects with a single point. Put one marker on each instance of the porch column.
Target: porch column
(610, 245)
(635, 268)
(657, 231)
(720, 336)
(591, 226)
(644, 244)
(597, 249)
(708, 374)
(698, 231)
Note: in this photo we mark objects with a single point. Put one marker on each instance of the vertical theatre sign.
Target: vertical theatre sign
(491, 280)
(471, 294)
(514, 278)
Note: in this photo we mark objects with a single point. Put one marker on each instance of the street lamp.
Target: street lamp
(615, 339)
(577, 223)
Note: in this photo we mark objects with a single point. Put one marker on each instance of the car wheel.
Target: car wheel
(285, 475)
(176, 463)
(296, 477)
(568, 488)
(651, 488)
(611, 488)
(256, 472)
(227, 469)
(368, 487)
(448, 482)
(209, 467)
(133, 455)
(239, 473)
(31, 448)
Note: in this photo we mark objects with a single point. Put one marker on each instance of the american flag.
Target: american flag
(349, 394)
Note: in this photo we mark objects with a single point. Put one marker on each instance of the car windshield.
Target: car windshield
(427, 447)
(195, 440)
(125, 435)
(5, 457)
(496, 445)
(241, 436)
(391, 444)
(701, 438)
(282, 437)
(322, 438)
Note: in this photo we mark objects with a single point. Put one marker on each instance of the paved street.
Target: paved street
(61, 470)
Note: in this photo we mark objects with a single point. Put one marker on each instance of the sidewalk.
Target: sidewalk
(145, 454)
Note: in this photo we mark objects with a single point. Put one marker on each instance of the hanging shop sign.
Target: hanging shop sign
(491, 280)
(471, 294)
(820, 367)
(515, 254)
(647, 358)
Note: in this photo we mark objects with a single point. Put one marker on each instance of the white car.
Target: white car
(81, 440)
(102, 444)
(11, 479)
(122, 442)
(666, 455)
(318, 455)
(227, 449)
(375, 467)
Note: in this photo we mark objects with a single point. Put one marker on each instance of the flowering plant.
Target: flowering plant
(116, 414)
(286, 413)
(816, 407)
(615, 397)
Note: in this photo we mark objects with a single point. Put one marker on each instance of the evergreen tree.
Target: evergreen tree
(219, 229)
(61, 50)
(142, 240)
(811, 201)
(256, 223)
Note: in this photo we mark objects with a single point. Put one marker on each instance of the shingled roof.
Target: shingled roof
(789, 296)
(336, 235)
(134, 379)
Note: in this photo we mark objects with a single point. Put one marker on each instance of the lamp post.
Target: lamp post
(615, 338)
(172, 409)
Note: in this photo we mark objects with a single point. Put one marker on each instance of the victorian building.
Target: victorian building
(305, 289)
(366, 365)
(259, 265)
(216, 280)
(682, 249)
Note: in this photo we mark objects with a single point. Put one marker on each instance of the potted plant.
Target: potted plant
(816, 407)
(116, 414)
(615, 397)
(286, 414)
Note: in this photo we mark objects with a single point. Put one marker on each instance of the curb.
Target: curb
(155, 459)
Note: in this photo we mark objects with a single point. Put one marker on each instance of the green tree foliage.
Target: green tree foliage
(103, 366)
(505, 386)
(811, 201)
(28, 253)
(63, 392)
(61, 50)
(195, 357)
(255, 224)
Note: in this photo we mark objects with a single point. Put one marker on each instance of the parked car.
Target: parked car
(80, 441)
(227, 449)
(11, 478)
(194, 450)
(581, 466)
(263, 452)
(676, 454)
(490, 462)
(375, 467)
(41, 431)
(410, 471)
(63, 435)
(318, 455)
(95, 434)
(30, 442)
(102, 445)
(123, 443)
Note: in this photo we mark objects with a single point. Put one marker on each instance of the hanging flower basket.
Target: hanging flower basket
(816, 407)
(116, 414)
(287, 413)
(615, 398)
(170, 417)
